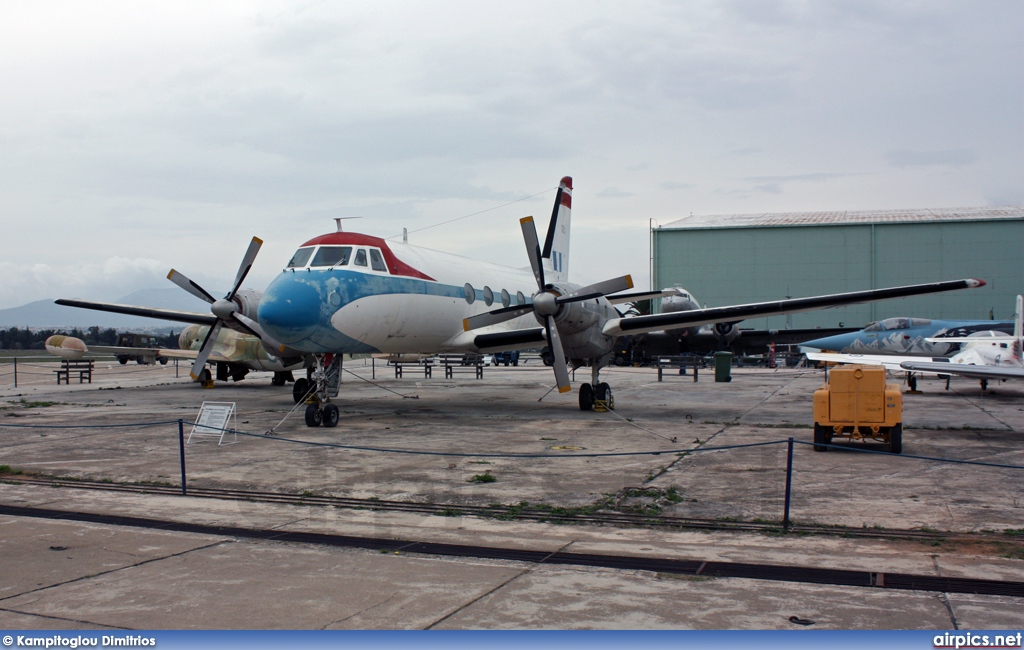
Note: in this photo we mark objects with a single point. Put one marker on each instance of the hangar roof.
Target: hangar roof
(777, 219)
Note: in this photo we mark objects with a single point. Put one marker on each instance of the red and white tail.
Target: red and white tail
(556, 244)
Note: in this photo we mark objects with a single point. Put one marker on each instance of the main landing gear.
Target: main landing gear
(317, 390)
(596, 395)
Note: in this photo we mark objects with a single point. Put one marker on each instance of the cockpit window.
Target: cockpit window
(360, 257)
(332, 256)
(377, 261)
(300, 258)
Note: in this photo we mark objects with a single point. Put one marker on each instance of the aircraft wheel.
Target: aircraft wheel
(122, 360)
(205, 376)
(604, 393)
(896, 439)
(300, 389)
(586, 397)
(330, 415)
(314, 416)
(163, 361)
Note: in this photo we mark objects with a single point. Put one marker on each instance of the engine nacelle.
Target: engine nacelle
(728, 332)
(66, 347)
(248, 301)
(579, 325)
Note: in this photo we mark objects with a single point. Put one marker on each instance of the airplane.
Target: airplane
(985, 355)
(234, 354)
(346, 292)
(908, 336)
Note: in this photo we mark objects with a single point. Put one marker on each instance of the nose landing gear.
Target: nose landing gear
(596, 396)
(325, 376)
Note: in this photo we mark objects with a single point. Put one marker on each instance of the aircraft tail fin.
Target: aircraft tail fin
(556, 245)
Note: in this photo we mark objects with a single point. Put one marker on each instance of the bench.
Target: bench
(459, 362)
(426, 365)
(679, 361)
(83, 367)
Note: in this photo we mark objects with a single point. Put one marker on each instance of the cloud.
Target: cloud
(672, 185)
(613, 193)
(943, 158)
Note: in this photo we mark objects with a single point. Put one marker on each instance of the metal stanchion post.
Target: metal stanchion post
(181, 449)
(15, 372)
(789, 484)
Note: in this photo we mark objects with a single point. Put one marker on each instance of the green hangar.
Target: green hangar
(736, 259)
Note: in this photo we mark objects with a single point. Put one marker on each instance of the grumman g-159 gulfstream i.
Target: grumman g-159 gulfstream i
(347, 292)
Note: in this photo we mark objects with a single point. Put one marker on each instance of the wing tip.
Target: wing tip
(974, 283)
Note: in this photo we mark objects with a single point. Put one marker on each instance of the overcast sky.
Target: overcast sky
(140, 136)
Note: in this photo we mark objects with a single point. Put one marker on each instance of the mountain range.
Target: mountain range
(45, 314)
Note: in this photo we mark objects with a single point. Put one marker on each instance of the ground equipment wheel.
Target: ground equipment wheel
(821, 437)
(314, 416)
(896, 439)
(330, 415)
(586, 397)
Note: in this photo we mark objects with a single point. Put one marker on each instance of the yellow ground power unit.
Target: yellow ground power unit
(857, 404)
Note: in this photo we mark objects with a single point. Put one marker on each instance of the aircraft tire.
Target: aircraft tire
(314, 416)
(896, 439)
(586, 397)
(330, 416)
(603, 393)
(300, 389)
(163, 361)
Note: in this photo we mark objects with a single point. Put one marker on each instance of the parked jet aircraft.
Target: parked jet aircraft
(354, 293)
(984, 356)
(233, 354)
(913, 336)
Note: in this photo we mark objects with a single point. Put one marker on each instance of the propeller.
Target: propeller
(225, 309)
(547, 302)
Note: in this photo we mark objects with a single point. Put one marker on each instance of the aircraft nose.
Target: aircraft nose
(837, 343)
(289, 311)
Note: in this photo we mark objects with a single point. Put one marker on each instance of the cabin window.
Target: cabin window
(506, 300)
(488, 296)
(470, 293)
(360, 257)
(300, 258)
(377, 261)
(331, 256)
(520, 298)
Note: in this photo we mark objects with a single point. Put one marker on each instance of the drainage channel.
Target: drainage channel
(809, 575)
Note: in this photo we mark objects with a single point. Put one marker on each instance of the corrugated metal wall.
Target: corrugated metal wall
(723, 266)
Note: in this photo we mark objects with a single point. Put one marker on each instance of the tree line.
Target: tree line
(17, 338)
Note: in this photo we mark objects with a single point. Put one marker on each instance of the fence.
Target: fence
(788, 444)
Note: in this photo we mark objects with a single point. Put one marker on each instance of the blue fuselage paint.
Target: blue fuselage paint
(297, 307)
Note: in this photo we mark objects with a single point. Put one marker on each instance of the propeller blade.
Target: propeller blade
(204, 351)
(243, 268)
(533, 249)
(555, 343)
(495, 317)
(190, 286)
(600, 289)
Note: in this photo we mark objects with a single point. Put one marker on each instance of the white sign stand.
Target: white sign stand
(212, 422)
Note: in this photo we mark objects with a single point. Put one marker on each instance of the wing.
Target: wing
(758, 338)
(890, 361)
(734, 313)
(147, 312)
(965, 370)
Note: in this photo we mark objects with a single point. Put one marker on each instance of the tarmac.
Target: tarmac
(431, 440)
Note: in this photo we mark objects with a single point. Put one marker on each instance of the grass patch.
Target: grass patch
(7, 469)
(486, 477)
